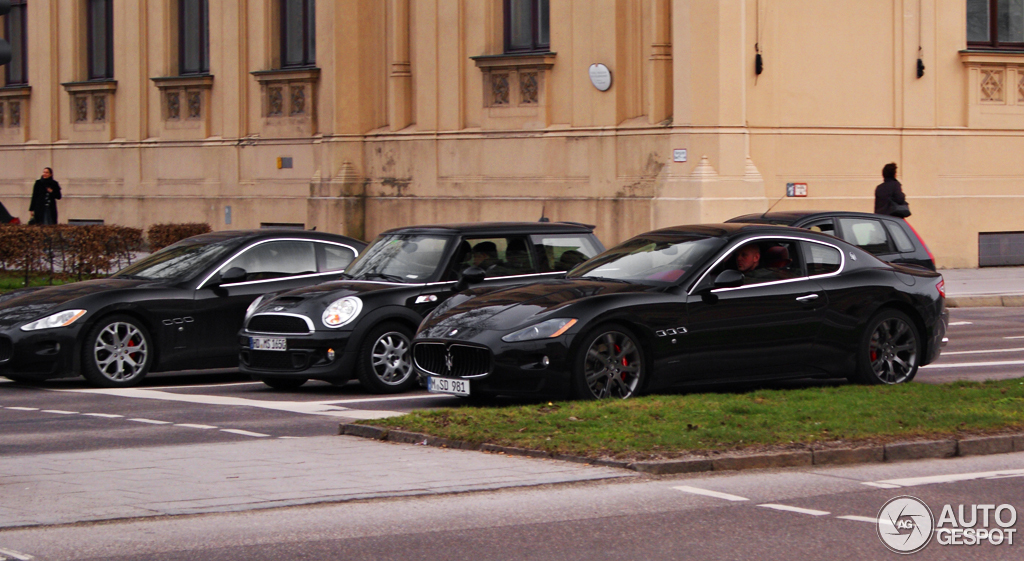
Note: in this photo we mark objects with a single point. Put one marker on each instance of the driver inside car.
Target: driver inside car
(748, 260)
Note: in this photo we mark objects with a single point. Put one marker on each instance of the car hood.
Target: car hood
(33, 303)
(321, 295)
(520, 305)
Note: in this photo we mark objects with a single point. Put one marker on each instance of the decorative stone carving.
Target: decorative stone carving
(298, 100)
(173, 105)
(81, 109)
(275, 101)
(499, 89)
(528, 88)
(195, 105)
(992, 85)
(99, 108)
(15, 113)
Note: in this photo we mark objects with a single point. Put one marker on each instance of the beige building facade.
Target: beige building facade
(417, 111)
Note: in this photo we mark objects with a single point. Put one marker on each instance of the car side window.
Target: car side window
(335, 257)
(866, 233)
(277, 259)
(903, 243)
(823, 226)
(763, 261)
(498, 257)
(562, 252)
(821, 259)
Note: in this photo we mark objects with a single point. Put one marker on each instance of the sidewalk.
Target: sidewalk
(65, 488)
(986, 287)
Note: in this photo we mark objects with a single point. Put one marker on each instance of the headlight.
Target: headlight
(544, 330)
(252, 307)
(342, 311)
(60, 319)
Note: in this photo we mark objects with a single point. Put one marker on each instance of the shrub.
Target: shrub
(63, 251)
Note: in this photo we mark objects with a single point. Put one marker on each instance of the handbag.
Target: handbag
(900, 210)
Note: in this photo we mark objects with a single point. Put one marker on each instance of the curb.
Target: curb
(892, 452)
(989, 301)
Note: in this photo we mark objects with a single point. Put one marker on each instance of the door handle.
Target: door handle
(807, 298)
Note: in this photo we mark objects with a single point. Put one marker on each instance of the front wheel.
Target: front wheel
(117, 353)
(890, 350)
(385, 359)
(609, 364)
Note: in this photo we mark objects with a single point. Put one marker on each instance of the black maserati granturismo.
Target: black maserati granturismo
(179, 308)
(690, 305)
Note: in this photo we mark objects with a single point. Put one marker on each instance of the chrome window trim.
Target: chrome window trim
(728, 252)
(309, 323)
(261, 242)
(524, 275)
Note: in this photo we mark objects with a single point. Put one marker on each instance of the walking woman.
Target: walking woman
(45, 193)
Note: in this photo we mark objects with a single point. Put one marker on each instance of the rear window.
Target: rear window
(821, 259)
(903, 243)
(866, 233)
(563, 252)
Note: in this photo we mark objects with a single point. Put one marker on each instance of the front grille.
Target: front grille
(465, 361)
(6, 349)
(275, 323)
(276, 360)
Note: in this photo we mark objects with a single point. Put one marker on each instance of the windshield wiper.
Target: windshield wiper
(603, 279)
(384, 276)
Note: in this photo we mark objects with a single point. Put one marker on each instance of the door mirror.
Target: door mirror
(468, 276)
(232, 275)
(729, 278)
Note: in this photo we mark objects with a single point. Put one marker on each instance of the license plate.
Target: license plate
(268, 343)
(447, 385)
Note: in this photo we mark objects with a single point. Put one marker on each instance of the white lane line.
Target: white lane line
(377, 399)
(150, 421)
(103, 415)
(15, 554)
(795, 509)
(867, 519)
(706, 493)
(59, 412)
(245, 433)
(948, 478)
(952, 323)
(23, 408)
(191, 426)
(975, 364)
(289, 437)
(1016, 350)
(1015, 337)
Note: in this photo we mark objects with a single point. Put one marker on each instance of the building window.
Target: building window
(527, 26)
(100, 39)
(995, 24)
(193, 37)
(298, 33)
(16, 72)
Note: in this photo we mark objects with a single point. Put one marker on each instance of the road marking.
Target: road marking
(17, 555)
(1015, 337)
(1016, 350)
(23, 408)
(867, 519)
(303, 407)
(948, 478)
(103, 415)
(975, 364)
(706, 493)
(245, 433)
(191, 426)
(951, 324)
(151, 421)
(376, 399)
(795, 509)
(59, 412)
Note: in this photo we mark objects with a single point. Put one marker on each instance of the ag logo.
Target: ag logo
(905, 524)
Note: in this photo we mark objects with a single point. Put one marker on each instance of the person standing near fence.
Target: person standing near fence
(45, 193)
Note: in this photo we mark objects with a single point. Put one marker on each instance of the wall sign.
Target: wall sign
(601, 77)
(679, 155)
(796, 189)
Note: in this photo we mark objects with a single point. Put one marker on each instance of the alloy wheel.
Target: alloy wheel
(120, 351)
(613, 366)
(392, 362)
(893, 351)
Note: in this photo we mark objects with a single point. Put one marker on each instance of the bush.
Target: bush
(163, 235)
(63, 251)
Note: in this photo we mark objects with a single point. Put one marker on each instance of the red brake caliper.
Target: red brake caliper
(624, 362)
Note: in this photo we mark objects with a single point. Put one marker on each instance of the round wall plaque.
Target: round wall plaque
(601, 77)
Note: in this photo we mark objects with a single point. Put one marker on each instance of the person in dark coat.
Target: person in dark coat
(45, 193)
(889, 191)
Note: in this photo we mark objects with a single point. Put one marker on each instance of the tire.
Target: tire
(284, 384)
(889, 351)
(385, 359)
(117, 352)
(610, 363)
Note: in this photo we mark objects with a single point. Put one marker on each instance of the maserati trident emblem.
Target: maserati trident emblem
(448, 361)
(453, 332)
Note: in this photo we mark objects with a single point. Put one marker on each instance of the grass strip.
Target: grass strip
(666, 426)
(14, 281)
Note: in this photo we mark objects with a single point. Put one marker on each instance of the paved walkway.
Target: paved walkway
(989, 286)
(112, 484)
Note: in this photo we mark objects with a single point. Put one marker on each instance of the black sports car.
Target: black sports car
(362, 326)
(686, 305)
(179, 308)
(888, 238)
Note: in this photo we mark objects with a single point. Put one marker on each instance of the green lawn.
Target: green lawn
(673, 425)
(13, 281)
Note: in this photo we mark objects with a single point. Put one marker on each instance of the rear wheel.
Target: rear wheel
(284, 384)
(609, 364)
(385, 359)
(117, 353)
(890, 350)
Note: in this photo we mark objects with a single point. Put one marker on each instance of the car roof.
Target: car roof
(256, 234)
(496, 228)
(725, 230)
(791, 217)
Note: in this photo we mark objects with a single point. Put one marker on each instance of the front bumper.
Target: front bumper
(307, 356)
(43, 354)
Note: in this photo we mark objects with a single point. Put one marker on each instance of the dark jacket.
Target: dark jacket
(886, 193)
(44, 204)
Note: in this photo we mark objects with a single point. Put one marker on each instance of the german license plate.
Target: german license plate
(268, 343)
(447, 385)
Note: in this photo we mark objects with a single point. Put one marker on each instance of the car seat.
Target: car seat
(777, 257)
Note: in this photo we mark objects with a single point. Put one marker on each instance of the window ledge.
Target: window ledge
(91, 86)
(542, 61)
(15, 91)
(287, 75)
(978, 56)
(200, 81)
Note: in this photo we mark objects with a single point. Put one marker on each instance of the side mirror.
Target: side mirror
(232, 275)
(468, 276)
(730, 278)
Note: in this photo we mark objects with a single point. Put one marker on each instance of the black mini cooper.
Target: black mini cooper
(362, 326)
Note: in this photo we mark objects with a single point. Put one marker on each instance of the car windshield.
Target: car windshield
(180, 261)
(658, 260)
(400, 258)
